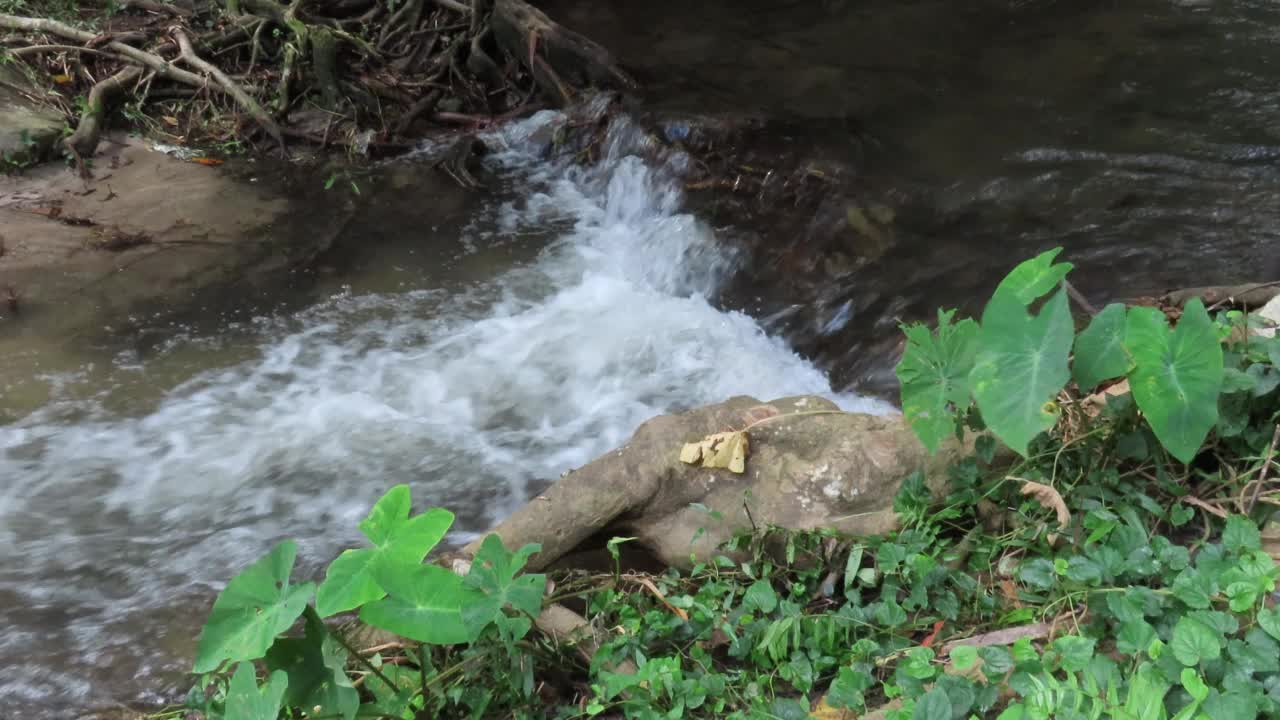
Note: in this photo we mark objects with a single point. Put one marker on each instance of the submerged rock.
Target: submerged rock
(810, 466)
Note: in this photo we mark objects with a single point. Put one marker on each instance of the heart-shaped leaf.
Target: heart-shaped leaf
(1033, 279)
(1099, 352)
(934, 375)
(246, 702)
(317, 668)
(423, 603)
(399, 541)
(1021, 365)
(255, 607)
(1176, 376)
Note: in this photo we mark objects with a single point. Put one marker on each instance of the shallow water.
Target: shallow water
(150, 478)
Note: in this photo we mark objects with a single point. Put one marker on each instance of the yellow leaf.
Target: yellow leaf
(170, 120)
(62, 79)
(726, 450)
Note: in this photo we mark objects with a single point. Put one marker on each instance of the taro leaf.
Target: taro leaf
(423, 603)
(255, 607)
(1176, 375)
(934, 374)
(1099, 352)
(1021, 365)
(246, 702)
(317, 668)
(1194, 642)
(497, 583)
(1034, 278)
(399, 541)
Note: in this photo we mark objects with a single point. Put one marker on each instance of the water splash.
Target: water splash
(106, 519)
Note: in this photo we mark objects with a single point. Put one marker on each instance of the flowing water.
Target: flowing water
(121, 516)
(535, 328)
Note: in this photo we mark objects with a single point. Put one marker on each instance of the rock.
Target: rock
(810, 466)
(28, 131)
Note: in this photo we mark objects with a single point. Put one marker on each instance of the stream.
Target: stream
(478, 346)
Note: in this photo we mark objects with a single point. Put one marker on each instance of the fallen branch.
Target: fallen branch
(1007, 636)
(37, 49)
(240, 96)
(84, 141)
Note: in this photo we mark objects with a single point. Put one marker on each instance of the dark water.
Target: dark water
(1141, 136)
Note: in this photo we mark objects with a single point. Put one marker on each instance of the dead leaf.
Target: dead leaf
(169, 120)
(1207, 507)
(206, 161)
(1049, 499)
(62, 79)
(1007, 636)
(726, 450)
(1093, 404)
(653, 589)
(1271, 539)
(823, 711)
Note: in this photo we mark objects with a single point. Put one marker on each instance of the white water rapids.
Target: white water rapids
(117, 526)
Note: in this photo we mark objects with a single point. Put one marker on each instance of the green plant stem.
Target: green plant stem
(360, 658)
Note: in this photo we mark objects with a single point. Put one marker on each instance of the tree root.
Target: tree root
(384, 75)
(84, 141)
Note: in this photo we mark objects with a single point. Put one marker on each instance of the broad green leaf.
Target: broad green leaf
(1194, 685)
(846, 689)
(246, 702)
(495, 576)
(1234, 705)
(1241, 534)
(317, 668)
(964, 656)
(934, 705)
(1176, 375)
(1099, 351)
(1145, 700)
(398, 541)
(1134, 637)
(424, 603)
(1269, 620)
(760, 596)
(934, 374)
(1033, 279)
(255, 607)
(1194, 642)
(1021, 365)
(1074, 651)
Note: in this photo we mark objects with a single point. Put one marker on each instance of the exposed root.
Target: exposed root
(250, 105)
(84, 141)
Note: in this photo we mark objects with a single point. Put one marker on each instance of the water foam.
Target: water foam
(469, 397)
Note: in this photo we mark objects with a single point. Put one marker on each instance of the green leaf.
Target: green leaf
(495, 577)
(246, 702)
(1237, 381)
(1021, 365)
(846, 689)
(1194, 642)
(1194, 588)
(1194, 685)
(255, 607)
(397, 701)
(934, 375)
(1145, 700)
(760, 596)
(933, 705)
(1134, 637)
(1176, 375)
(1099, 351)
(317, 669)
(424, 603)
(1033, 279)
(1241, 534)
(398, 541)
(964, 656)
(996, 662)
(1038, 573)
(1075, 652)
(1233, 705)
(1269, 620)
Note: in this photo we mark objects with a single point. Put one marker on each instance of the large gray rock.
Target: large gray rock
(27, 130)
(809, 467)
